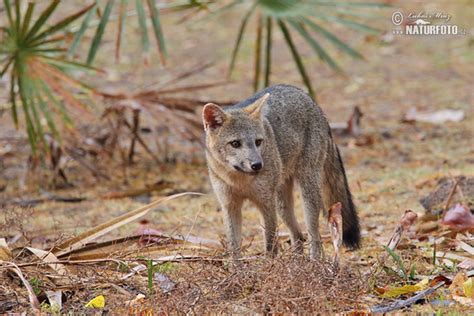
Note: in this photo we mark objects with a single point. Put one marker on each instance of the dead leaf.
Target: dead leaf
(459, 218)
(137, 300)
(408, 218)
(164, 282)
(462, 289)
(31, 293)
(102, 229)
(55, 299)
(50, 258)
(5, 253)
(335, 227)
(467, 264)
(437, 117)
(392, 292)
(96, 302)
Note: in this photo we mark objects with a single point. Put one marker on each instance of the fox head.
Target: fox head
(236, 137)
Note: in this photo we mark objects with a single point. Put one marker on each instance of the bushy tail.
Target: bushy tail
(336, 189)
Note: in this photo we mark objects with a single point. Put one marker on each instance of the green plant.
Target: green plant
(304, 17)
(105, 17)
(398, 261)
(150, 273)
(36, 285)
(38, 60)
(34, 57)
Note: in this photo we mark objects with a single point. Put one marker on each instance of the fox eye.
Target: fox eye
(235, 143)
(258, 142)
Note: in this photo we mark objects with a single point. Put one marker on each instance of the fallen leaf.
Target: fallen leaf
(164, 281)
(392, 292)
(459, 218)
(102, 229)
(437, 117)
(137, 300)
(335, 227)
(467, 264)
(49, 258)
(96, 302)
(31, 293)
(5, 253)
(55, 299)
(468, 287)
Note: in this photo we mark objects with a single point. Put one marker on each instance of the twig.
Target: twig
(140, 140)
(134, 129)
(401, 304)
(451, 194)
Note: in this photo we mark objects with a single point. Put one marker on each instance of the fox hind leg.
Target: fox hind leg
(311, 194)
(285, 207)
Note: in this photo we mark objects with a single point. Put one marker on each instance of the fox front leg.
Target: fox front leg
(267, 207)
(232, 211)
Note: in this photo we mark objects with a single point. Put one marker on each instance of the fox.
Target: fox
(259, 149)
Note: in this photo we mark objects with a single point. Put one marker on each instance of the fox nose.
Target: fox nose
(256, 166)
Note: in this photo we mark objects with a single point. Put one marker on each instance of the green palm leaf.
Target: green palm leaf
(297, 58)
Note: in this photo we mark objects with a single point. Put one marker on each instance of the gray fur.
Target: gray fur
(297, 147)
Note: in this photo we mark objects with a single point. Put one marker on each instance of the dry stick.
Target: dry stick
(136, 123)
(401, 304)
(451, 194)
(86, 164)
(140, 140)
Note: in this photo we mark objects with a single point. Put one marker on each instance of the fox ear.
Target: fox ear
(212, 116)
(255, 108)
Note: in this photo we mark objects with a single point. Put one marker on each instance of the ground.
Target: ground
(401, 163)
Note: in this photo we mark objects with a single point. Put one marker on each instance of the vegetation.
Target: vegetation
(42, 66)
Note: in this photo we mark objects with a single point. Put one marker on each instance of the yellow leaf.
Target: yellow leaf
(97, 302)
(423, 284)
(397, 291)
(468, 288)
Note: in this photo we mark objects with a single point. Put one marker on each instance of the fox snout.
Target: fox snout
(250, 166)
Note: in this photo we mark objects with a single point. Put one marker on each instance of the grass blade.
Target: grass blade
(239, 38)
(100, 32)
(59, 105)
(7, 66)
(30, 129)
(333, 39)
(61, 24)
(297, 58)
(121, 27)
(349, 23)
(41, 20)
(315, 45)
(8, 8)
(27, 19)
(143, 28)
(258, 53)
(13, 99)
(397, 260)
(69, 64)
(155, 18)
(268, 52)
(80, 33)
(17, 17)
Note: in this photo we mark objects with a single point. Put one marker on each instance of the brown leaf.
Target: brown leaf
(102, 229)
(459, 218)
